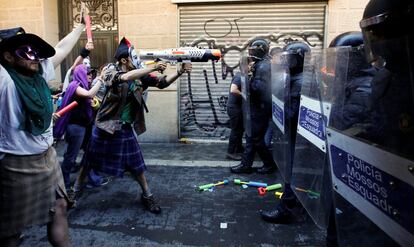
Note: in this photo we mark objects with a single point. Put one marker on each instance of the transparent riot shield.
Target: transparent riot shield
(245, 89)
(281, 117)
(311, 180)
(371, 149)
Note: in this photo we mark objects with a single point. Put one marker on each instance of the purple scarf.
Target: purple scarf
(79, 79)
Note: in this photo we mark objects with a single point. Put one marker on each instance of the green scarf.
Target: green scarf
(36, 100)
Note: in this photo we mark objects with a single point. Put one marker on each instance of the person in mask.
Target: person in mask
(32, 191)
(113, 147)
(261, 110)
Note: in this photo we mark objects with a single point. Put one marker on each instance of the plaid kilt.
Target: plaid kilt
(114, 153)
(29, 186)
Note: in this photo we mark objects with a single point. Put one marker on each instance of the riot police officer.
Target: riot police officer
(356, 104)
(382, 141)
(260, 110)
(292, 57)
(389, 45)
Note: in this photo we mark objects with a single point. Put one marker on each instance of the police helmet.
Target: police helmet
(258, 49)
(385, 20)
(353, 39)
(293, 55)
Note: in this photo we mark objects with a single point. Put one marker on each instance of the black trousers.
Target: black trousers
(235, 113)
(255, 142)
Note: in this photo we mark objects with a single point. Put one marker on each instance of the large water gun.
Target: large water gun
(250, 183)
(181, 54)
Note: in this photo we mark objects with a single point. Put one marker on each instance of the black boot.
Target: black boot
(241, 169)
(234, 156)
(266, 169)
(277, 216)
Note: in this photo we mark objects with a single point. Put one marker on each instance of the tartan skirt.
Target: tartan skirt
(29, 187)
(114, 154)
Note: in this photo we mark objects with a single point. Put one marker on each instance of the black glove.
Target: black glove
(84, 52)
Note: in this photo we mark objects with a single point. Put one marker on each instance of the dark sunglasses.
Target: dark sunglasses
(28, 53)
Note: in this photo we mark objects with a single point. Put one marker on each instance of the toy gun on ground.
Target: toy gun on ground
(263, 190)
(279, 194)
(182, 54)
(250, 183)
(208, 186)
(309, 192)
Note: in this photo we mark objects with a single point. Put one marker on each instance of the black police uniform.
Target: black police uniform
(261, 108)
(235, 112)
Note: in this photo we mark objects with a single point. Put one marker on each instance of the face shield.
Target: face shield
(290, 59)
(383, 34)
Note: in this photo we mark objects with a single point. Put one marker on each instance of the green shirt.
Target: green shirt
(130, 108)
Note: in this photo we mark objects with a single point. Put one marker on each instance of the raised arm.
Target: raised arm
(83, 54)
(185, 67)
(81, 92)
(66, 44)
(138, 73)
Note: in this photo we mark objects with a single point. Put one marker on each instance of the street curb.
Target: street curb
(194, 163)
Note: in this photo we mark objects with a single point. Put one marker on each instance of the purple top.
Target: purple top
(80, 78)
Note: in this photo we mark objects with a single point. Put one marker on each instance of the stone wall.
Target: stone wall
(343, 16)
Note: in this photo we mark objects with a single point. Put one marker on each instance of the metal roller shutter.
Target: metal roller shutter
(203, 98)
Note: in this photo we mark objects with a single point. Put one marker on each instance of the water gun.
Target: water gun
(208, 186)
(279, 194)
(181, 54)
(310, 192)
(263, 190)
(250, 183)
(67, 108)
(88, 27)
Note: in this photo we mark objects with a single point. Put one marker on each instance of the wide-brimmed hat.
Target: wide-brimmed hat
(13, 38)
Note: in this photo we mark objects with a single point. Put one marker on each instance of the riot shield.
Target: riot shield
(245, 89)
(311, 180)
(281, 119)
(371, 150)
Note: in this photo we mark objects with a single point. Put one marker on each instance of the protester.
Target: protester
(32, 191)
(113, 147)
(75, 123)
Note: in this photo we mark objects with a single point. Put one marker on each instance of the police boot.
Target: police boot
(266, 169)
(241, 168)
(280, 215)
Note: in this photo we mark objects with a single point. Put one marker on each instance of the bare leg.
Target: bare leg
(80, 180)
(147, 198)
(142, 182)
(12, 241)
(57, 230)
